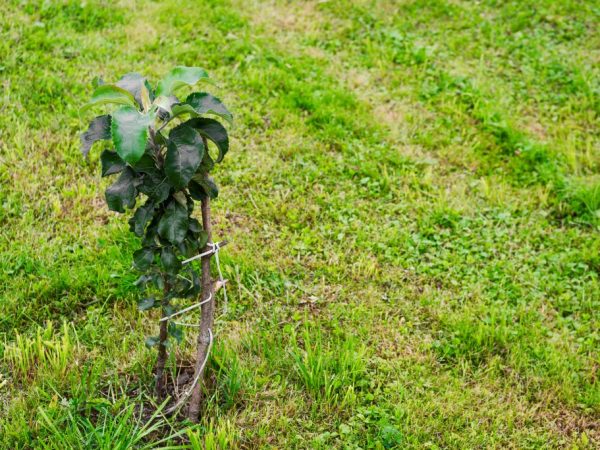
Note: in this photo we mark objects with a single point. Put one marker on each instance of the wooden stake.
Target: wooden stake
(206, 318)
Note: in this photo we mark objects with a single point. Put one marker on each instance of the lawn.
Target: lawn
(412, 200)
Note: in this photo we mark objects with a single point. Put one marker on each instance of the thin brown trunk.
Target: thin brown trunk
(161, 360)
(206, 319)
(162, 353)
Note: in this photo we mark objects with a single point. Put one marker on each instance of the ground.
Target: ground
(412, 202)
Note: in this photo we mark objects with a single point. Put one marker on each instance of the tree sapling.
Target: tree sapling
(160, 152)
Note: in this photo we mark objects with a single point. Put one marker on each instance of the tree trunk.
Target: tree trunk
(206, 318)
(162, 352)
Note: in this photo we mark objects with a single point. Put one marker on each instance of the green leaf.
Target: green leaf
(143, 258)
(197, 239)
(204, 103)
(196, 283)
(174, 223)
(158, 281)
(145, 98)
(175, 331)
(178, 77)
(121, 194)
(202, 238)
(182, 199)
(134, 84)
(109, 93)
(188, 248)
(151, 235)
(156, 186)
(169, 260)
(145, 164)
(196, 190)
(197, 287)
(152, 341)
(111, 163)
(98, 130)
(142, 281)
(150, 91)
(184, 154)
(129, 131)
(165, 103)
(181, 287)
(203, 185)
(207, 164)
(179, 109)
(213, 130)
(141, 217)
(194, 226)
(196, 236)
(146, 304)
(210, 187)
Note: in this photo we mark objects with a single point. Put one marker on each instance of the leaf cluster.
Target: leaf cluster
(161, 154)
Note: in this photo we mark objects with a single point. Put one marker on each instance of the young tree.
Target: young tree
(161, 152)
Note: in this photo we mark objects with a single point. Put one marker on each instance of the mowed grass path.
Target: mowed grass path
(413, 202)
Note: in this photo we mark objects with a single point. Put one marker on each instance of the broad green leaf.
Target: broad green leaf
(145, 98)
(169, 260)
(196, 236)
(98, 130)
(175, 331)
(143, 258)
(129, 131)
(145, 164)
(142, 281)
(121, 194)
(203, 185)
(184, 154)
(204, 103)
(179, 109)
(198, 240)
(196, 190)
(134, 83)
(173, 224)
(160, 139)
(165, 102)
(146, 304)
(189, 247)
(151, 94)
(141, 217)
(181, 287)
(196, 283)
(202, 238)
(111, 163)
(210, 187)
(194, 225)
(151, 235)
(189, 284)
(213, 130)
(178, 77)
(155, 185)
(181, 198)
(110, 93)
(207, 164)
(151, 341)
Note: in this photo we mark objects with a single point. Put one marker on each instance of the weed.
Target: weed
(329, 371)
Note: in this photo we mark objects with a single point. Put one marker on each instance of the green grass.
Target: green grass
(413, 202)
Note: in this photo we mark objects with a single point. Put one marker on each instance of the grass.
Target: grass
(413, 201)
